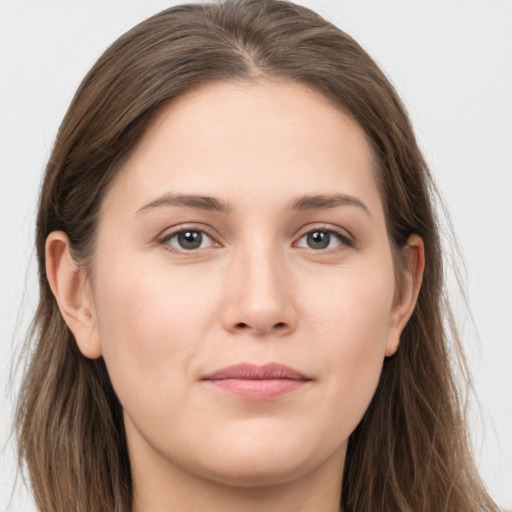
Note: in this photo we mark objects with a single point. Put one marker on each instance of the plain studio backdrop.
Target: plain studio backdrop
(451, 61)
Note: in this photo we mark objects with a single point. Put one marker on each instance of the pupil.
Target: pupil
(190, 239)
(318, 239)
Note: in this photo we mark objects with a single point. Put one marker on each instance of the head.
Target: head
(123, 144)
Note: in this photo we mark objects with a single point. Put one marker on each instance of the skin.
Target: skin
(257, 290)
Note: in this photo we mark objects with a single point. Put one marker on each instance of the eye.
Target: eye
(322, 239)
(188, 240)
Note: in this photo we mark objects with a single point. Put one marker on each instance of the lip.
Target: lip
(253, 382)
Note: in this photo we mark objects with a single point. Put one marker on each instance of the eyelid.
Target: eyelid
(346, 239)
(169, 233)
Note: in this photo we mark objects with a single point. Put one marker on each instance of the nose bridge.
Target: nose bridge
(261, 285)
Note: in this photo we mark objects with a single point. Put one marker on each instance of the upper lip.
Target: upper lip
(254, 372)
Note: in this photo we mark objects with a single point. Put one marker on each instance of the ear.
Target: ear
(72, 293)
(413, 255)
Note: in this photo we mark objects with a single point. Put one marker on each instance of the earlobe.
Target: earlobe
(405, 302)
(72, 293)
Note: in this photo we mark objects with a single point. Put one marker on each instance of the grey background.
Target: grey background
(451, 61)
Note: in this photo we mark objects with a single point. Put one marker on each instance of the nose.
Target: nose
(261, 295)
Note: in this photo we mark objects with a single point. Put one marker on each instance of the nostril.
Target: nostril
(276, 327)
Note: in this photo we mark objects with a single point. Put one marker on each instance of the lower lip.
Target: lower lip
(252, 389)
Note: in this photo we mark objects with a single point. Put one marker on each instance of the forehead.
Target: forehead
(266, 138)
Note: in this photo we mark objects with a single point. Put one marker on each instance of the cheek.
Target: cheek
(352, 327)
(151, 325)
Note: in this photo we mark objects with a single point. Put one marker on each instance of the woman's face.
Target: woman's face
(245, 229)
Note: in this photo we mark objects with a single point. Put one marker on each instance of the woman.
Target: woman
(241, 286)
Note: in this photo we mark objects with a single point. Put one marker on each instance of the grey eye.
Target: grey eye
(189, 240)
(320, 239)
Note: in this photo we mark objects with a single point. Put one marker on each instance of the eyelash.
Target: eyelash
(345, 241)
(164, 241)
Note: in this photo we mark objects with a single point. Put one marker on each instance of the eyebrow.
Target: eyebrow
(190, 201)
(326, 201)
(207, 203)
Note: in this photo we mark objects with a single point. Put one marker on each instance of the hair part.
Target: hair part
(410, 452)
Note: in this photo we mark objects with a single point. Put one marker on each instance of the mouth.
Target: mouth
(252, 382)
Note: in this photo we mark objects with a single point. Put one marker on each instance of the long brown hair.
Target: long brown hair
(410, 452)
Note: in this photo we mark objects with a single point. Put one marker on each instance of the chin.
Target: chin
(254, 472)
(262, 461)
